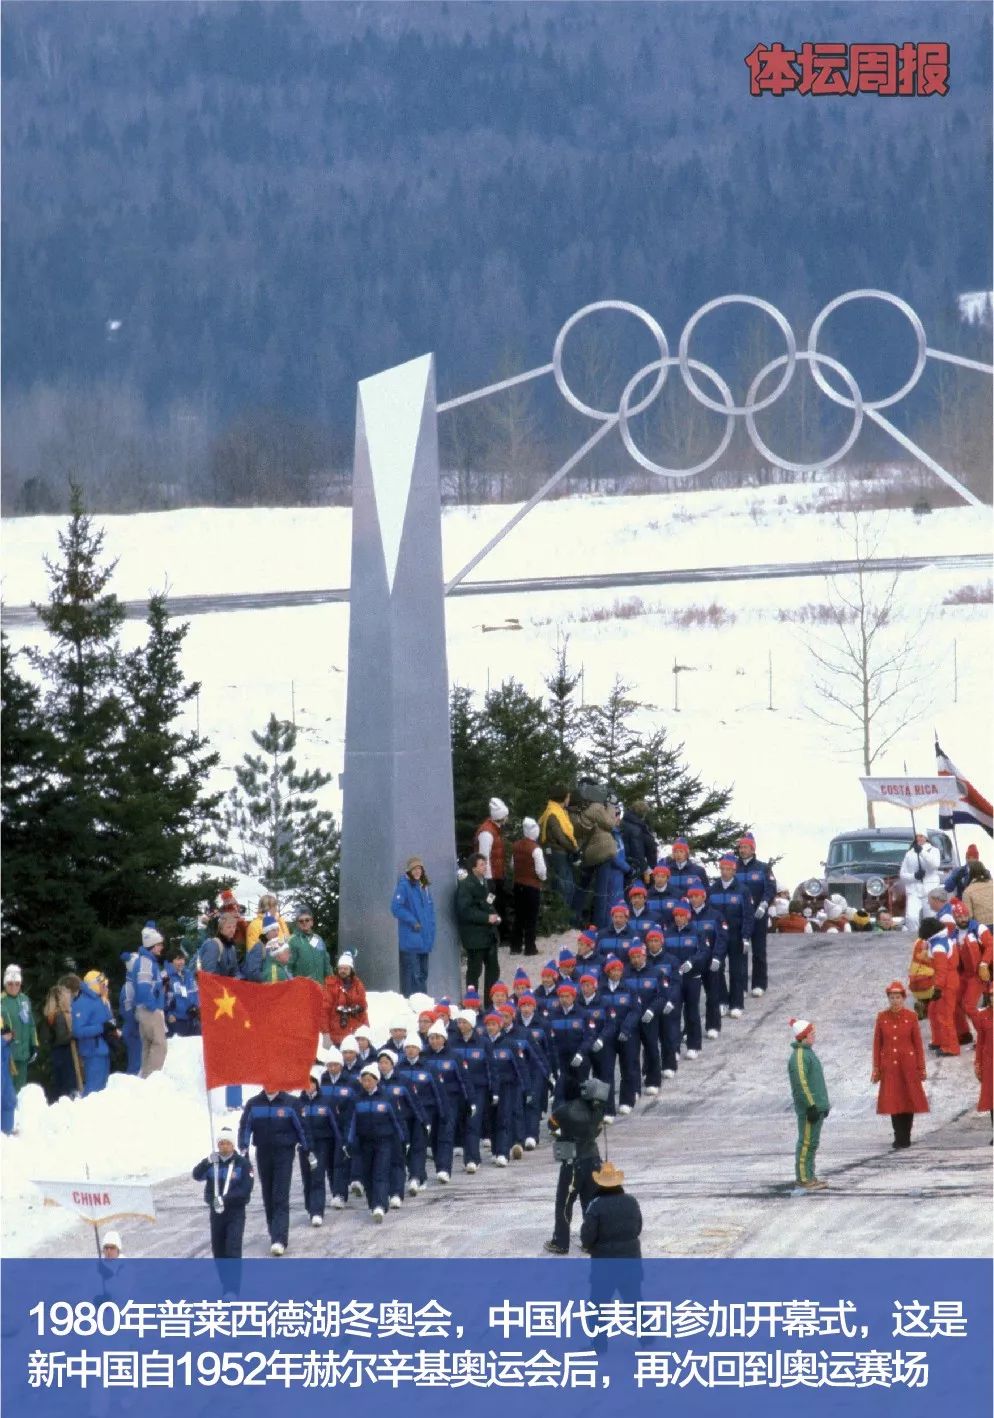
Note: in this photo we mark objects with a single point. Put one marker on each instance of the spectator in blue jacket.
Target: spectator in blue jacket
(91, 1019)
(733, 903)
(145, 974)
(957, 880)
(373, 1137)
(8, 1093)
(218, 954)
(759, 881)
(228, 1179)
(415, 912)
(129, 1024)
(182, 997)
(273, 1122)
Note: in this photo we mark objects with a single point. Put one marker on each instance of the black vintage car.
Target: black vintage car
(863, 865)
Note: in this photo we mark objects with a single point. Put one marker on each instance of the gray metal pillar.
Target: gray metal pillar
(397, 785)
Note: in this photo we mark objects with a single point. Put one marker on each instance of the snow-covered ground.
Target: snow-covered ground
(795, 781)
(135, 1130)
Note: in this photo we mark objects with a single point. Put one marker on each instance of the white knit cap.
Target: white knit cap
(333, 1056)
(112, 1238)
(799, 1027)
(150, 937)
(412, 1042)
(346, 958)
(530, 828)
(12, 974)
(371, 1070)
(498, 809)
(363, 1032)
(349, 1043)
(438, 1028)
(226, 1134)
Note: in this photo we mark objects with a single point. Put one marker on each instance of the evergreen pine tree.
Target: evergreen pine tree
(162, 810)
(272, 827)
(564, 715)
(84, 713)
(679, 804)
(613, 747)
(40, 888)
(472, 767)
(523, 749)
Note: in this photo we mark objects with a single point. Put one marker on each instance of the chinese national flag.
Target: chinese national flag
(264, 1034)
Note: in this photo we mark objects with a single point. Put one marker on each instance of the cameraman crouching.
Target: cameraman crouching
(576, 1124)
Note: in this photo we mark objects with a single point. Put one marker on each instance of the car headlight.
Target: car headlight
(875, 885)
(814, 886)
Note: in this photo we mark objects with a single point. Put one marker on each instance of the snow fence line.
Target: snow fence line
(134, 1130)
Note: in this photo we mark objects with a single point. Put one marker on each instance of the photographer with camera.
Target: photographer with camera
(575, 1126)
(344, 1002)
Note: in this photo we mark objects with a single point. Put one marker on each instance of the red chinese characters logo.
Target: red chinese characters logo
(888, 70)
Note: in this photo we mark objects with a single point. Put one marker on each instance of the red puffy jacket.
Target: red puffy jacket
(344, 1007)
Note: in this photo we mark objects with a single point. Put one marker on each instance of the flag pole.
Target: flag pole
(959, 859)
(914, 829)
(96, 1224)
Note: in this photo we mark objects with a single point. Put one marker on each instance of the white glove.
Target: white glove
(312, 1160)
(648, 1017)
(218, 1205)
(576, 1061)
(715, 964)
(685, 967)
(761, 909)
(747, 942)
(596, 1046)
(214, 1158)
(668, 1007)
(472, 1110)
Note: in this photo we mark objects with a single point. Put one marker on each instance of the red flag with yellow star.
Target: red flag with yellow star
(265, 1034)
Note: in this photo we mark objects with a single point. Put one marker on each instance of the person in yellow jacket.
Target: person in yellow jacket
(268, 905)
(557, 839)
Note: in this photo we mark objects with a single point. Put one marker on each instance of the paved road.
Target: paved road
(770, 571)
(712, 1161)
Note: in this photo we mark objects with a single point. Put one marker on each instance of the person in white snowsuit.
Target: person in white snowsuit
(920, 874)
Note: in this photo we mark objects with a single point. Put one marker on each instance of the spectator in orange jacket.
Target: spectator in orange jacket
(344, 1001)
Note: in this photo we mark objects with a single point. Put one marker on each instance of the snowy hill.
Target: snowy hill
(795, 781)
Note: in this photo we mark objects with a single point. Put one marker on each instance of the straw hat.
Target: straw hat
(609, 1176)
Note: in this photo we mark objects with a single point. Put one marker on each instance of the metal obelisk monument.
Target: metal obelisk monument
(397, 786)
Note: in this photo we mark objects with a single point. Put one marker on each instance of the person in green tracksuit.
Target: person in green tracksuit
(19, 1021)
(308, 953)
(807, 1085)
(274, 970)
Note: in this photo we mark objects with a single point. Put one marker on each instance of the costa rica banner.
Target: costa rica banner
(912, 793)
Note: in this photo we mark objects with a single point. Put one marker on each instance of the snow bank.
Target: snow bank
(135, 1130)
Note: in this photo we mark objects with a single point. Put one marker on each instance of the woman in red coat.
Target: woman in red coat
(344, 1001)
(899, 1064)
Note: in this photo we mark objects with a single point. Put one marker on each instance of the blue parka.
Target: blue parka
(413, 906)
(90, 1015)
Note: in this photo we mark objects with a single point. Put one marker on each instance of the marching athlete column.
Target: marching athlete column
(397, 785)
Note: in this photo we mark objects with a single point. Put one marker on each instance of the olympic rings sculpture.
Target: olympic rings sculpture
(690, 368)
